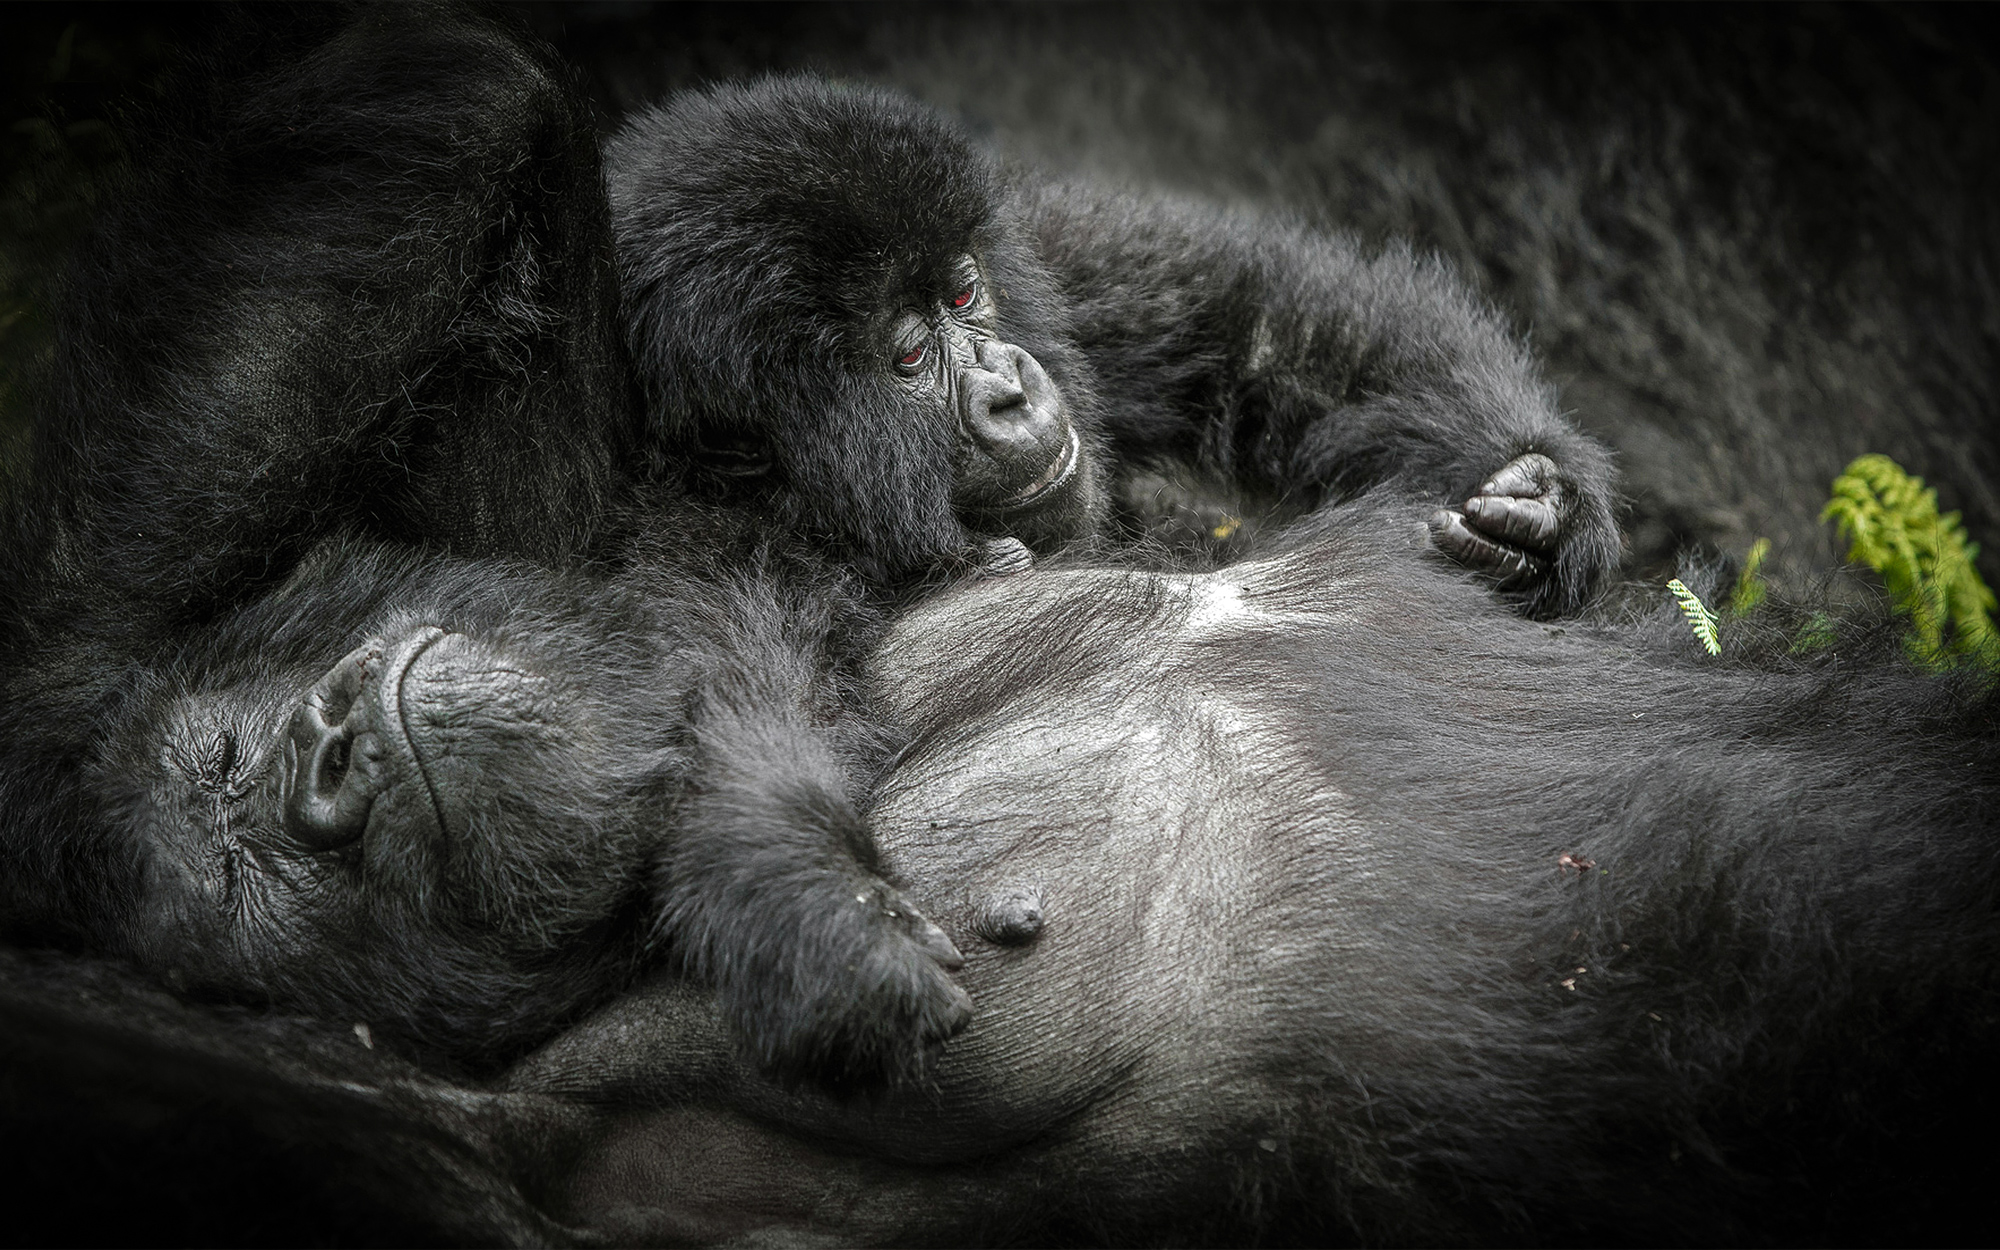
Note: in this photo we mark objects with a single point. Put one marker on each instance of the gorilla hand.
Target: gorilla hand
(863, 997)
(1512, 527)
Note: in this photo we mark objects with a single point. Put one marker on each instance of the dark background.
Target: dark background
(1750, 243)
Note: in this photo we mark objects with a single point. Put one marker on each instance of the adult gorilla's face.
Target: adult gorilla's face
(868, 341)
(415, 834)
(1016, 471)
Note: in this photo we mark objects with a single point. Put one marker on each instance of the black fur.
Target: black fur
(1223, 370)
(1391, 917)
(660, 763)
(1435, 924)
(1746, 246)
(314, 310)
(359, 294)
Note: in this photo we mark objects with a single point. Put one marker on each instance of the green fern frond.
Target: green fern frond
(1891, 523)
(1700, 619)
(1750, 586)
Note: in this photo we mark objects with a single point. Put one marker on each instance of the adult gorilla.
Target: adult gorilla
(1274, 933)
(847, 313)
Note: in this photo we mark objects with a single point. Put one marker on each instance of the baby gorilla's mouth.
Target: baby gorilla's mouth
(1052, 478)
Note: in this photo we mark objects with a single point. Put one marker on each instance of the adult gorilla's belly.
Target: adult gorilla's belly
(1207, 782)
(1118, 747)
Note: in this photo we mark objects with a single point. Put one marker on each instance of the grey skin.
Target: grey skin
(1307, 972)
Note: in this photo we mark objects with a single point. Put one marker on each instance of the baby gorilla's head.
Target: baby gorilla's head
(444, 831)
(840, 312)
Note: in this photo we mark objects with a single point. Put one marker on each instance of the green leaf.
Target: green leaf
(1700, 619)
(1750, 586)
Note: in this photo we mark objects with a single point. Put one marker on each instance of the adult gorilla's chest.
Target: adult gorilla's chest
(1162, 763)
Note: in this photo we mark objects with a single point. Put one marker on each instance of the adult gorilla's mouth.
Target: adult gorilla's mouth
(395, 713)
(1052, 478)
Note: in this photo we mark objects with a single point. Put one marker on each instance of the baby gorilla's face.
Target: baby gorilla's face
(1023, 468)
(438, 832)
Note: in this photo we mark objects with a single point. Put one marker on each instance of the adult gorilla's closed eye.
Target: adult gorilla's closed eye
(833, 295)
(413, 834)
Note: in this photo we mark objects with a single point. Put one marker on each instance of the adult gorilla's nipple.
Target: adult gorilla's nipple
(1009, 915)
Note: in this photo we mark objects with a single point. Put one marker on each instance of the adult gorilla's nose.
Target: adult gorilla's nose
(341, 744)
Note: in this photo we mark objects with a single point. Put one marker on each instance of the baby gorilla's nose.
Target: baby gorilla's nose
(993, 404)
(1022, 448)
(338, 745)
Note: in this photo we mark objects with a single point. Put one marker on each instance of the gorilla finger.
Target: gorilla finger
(930, 939)
(1451, 534)
(1529, 523)
(1518, 569)
(1510, 566)
(1004, 557)
(1528, 477)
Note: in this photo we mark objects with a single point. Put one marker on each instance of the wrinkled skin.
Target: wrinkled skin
(845, 312)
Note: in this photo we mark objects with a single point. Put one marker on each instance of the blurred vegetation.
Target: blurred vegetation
(1891, 523)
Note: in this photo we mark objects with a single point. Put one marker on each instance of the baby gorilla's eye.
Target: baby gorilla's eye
(914, 357)
(964, 298)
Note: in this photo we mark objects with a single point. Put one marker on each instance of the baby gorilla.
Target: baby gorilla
(461, 832)
(846, 312)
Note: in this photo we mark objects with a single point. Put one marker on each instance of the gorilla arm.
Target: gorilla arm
(1286, 361)
(455, 830)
